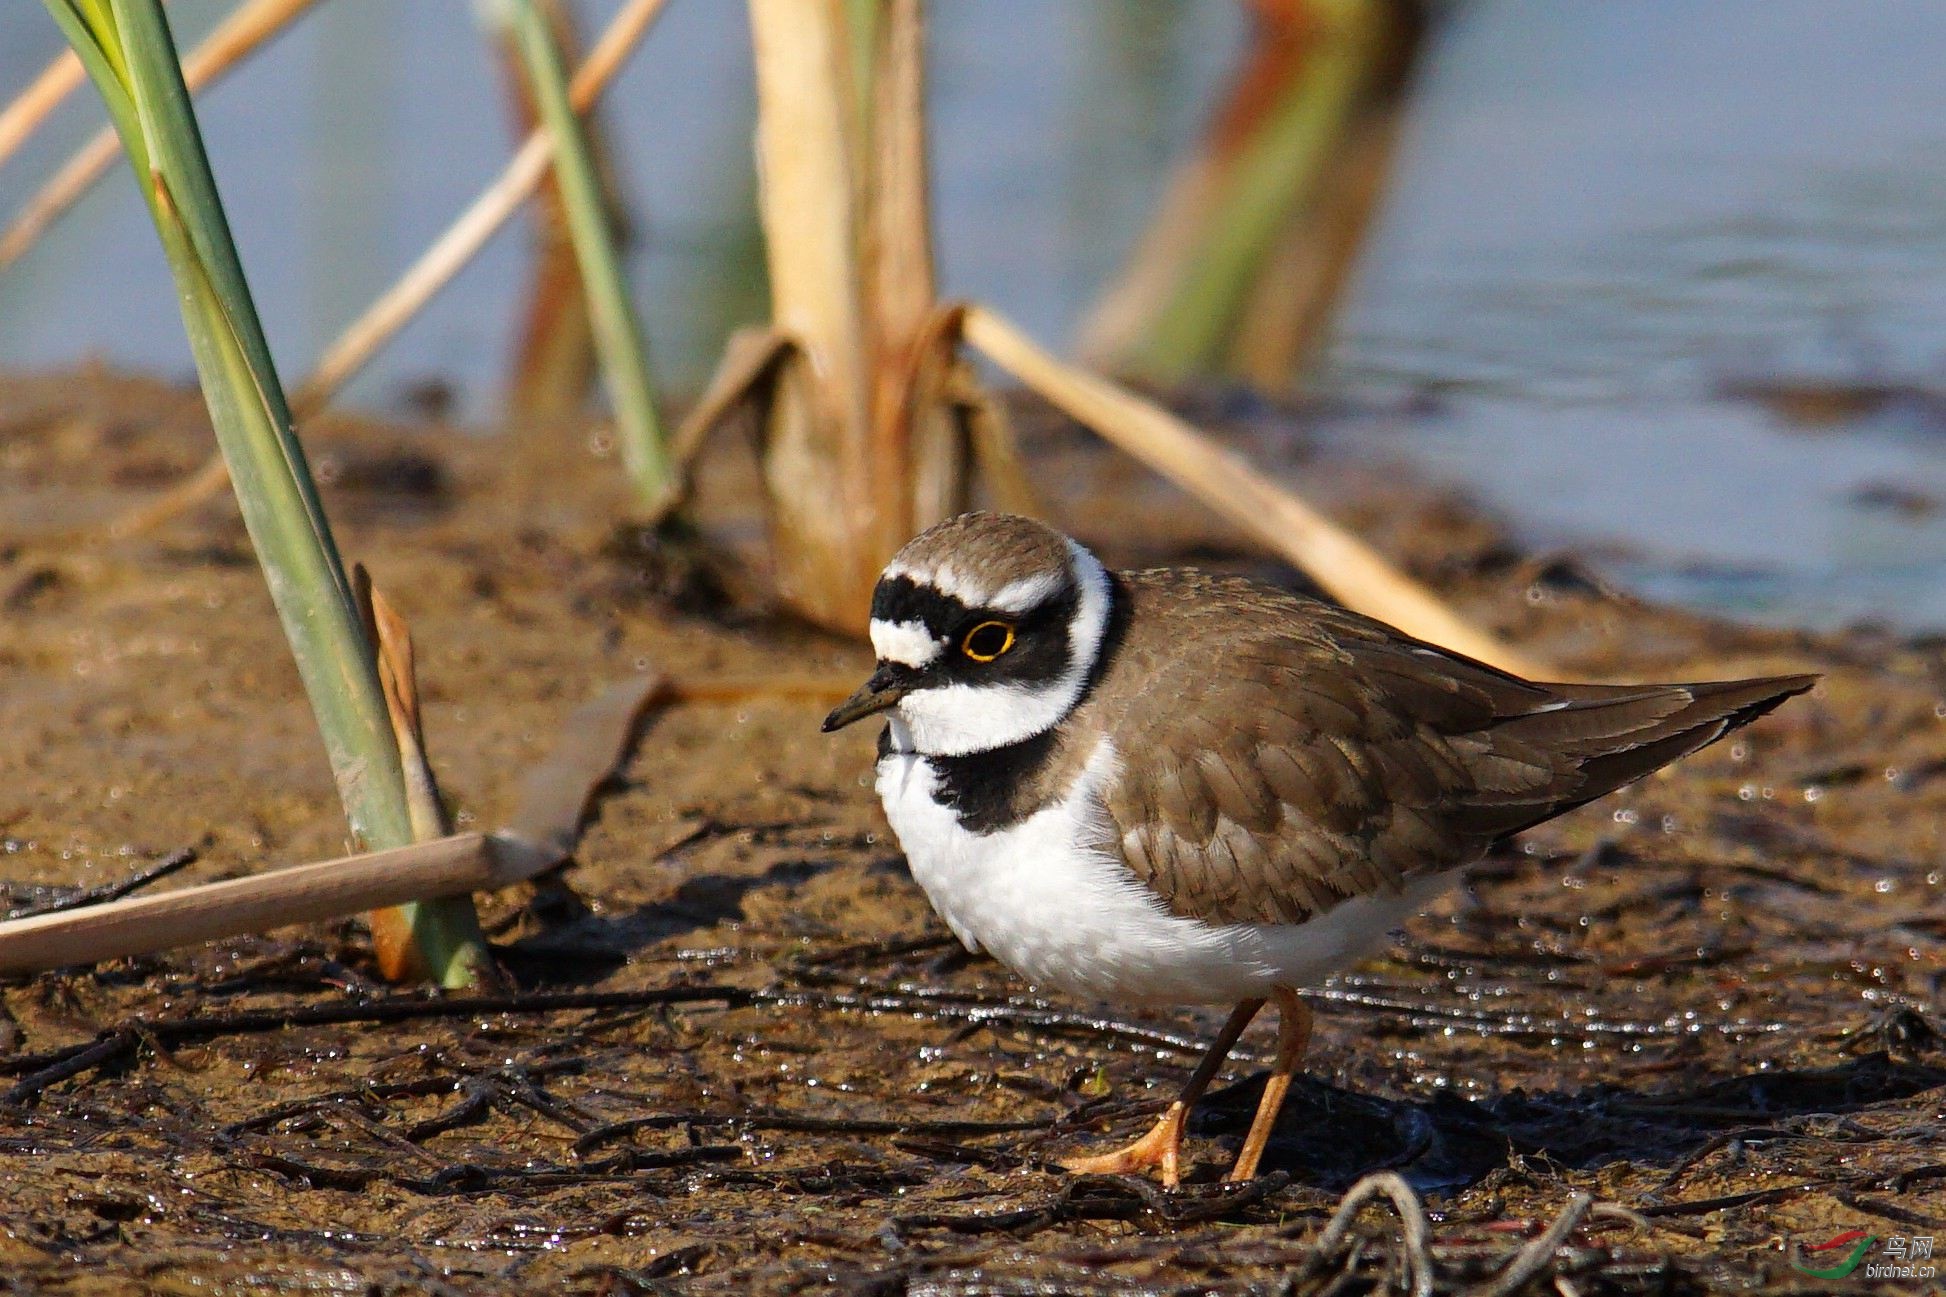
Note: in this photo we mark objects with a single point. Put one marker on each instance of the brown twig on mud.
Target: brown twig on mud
(1412, 1217)
(174, 862)
(1103, 1197)
(621, 1131)
(1533, 1258)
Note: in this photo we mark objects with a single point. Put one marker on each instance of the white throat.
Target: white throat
(953, 720)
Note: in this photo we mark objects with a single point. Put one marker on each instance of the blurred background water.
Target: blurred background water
(1622, 245)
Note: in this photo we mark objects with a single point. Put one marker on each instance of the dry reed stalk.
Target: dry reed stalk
(828, 529)
(234, 39)
(1352, 571)
(329, 889)
(919, 434)
(554, 800)
(408, 295)
(21, 118)
(864, 404)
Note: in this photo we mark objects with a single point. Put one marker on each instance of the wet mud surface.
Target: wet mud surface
(742, 1055)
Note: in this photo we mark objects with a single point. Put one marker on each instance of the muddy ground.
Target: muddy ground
(742, 1054)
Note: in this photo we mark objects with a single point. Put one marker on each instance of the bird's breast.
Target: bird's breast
(1045, 896)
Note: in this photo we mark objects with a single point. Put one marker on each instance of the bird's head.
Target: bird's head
(987, 628)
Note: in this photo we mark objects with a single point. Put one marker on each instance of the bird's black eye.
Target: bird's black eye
(987, 641)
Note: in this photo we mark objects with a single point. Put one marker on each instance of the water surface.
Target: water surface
(1609, 224)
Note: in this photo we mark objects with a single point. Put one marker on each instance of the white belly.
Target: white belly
(1070, 917)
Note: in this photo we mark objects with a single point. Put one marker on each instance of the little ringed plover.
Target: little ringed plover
(1167, 787)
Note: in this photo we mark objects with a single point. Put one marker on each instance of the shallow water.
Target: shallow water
(1612, 229)
(1616, 229)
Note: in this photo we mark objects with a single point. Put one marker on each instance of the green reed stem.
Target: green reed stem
(1278, 171)
(619, 340)
(129, 54)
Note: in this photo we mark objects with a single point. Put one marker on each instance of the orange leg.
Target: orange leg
(1293, 1034)
(1162, 1146)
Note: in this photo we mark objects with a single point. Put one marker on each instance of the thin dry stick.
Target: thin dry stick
(31, 107)
(469, 862)
(233, 40)
(1346, 566)
(554, 800)
(434, 269)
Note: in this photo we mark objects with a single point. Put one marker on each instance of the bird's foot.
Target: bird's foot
(1162, 1147)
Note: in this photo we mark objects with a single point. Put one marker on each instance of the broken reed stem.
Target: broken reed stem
(21, 118)
(555, 799)
(1352, 571)
(327, 889)
(828, 537)
(393, 309)
(402, 934)
(234, 39)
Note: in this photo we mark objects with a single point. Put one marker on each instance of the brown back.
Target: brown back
(1281, 755)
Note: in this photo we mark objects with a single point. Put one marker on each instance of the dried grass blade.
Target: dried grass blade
(1346, 566)
(556, 795)
(413, 940)
(234, 39)
(21, 118)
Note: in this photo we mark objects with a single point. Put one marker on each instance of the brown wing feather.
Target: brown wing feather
(1294, 754)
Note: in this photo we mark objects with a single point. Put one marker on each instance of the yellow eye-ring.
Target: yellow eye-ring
(987, 641)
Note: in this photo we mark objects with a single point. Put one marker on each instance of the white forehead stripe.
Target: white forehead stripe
(908, 643)
(945, 578)
(1015, 596)
(1019, 596)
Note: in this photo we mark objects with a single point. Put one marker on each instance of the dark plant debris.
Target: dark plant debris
(1660, 1046)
